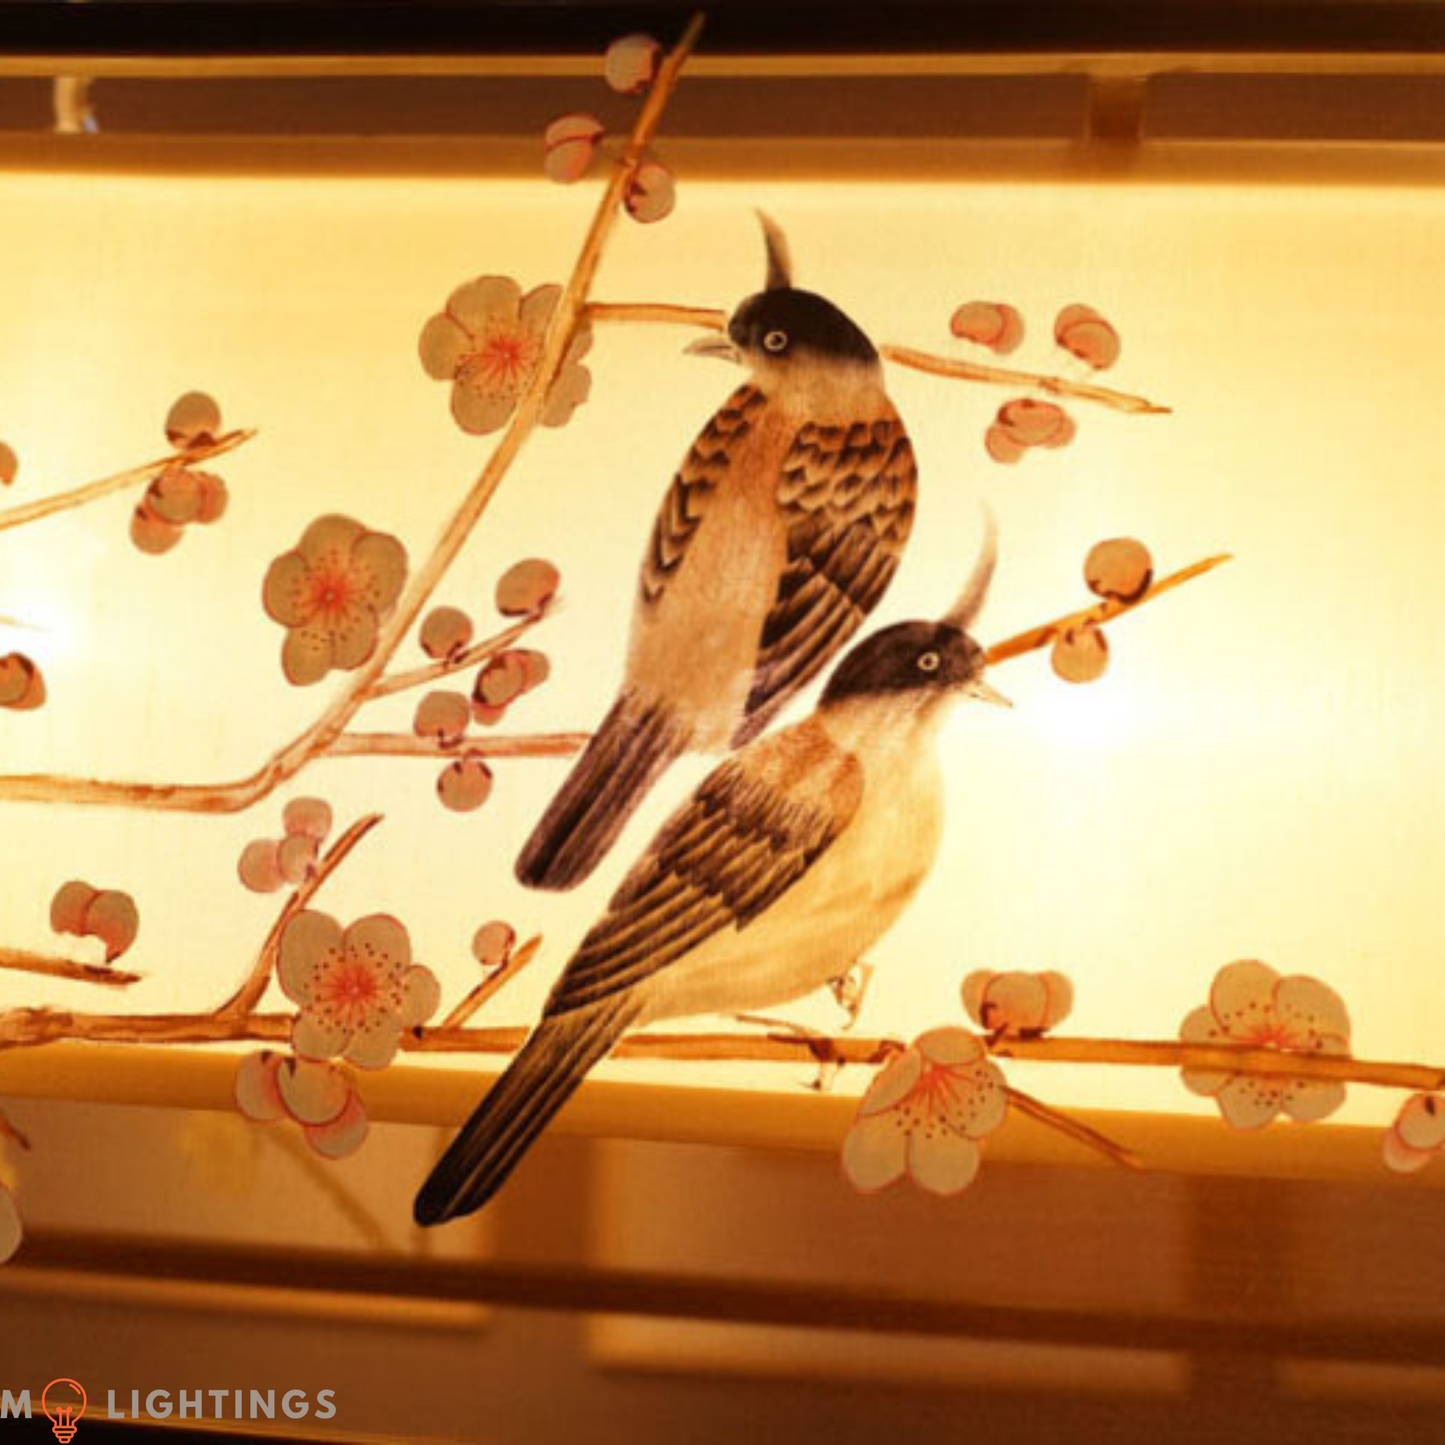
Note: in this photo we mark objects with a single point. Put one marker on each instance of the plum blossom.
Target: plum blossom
(357, 988)
(331, 594)
(22, 684)
(924, 1113)
(1017, 1003)
(1251, 1004)
(993, 324)
(1417, 1135)
(488, 343)
(321, 1098)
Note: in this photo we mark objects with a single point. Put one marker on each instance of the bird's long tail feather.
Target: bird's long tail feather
(635, 745)
(543, 1076)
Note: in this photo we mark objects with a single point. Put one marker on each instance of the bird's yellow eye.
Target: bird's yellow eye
(776, 341)
(929, 662)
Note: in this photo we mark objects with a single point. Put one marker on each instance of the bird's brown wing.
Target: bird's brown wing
(754, 826)
(685, 504)
(847, 496)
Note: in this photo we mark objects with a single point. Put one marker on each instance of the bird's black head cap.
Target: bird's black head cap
(910, 657)
(781, 323)
(924, 658)
(785, 324)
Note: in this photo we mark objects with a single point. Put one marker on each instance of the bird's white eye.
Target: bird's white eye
(776, 341)
(929, 662)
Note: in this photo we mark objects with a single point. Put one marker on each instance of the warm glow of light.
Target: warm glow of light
(1260, 772)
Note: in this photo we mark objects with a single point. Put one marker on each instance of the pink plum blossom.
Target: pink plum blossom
(924, 1113)
(1017, 1003)
(321, 1098)
(357, 988)
(1417, 1135)
(488, 344)
(331, 594)
(1251, 1004)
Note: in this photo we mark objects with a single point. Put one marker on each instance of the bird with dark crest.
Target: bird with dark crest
(789, 861)
(780, 533)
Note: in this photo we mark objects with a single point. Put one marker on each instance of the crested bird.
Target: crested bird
(779, 534)
(789, 861)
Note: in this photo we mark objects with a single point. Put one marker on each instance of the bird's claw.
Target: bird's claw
(850, 989)
(819, 1045)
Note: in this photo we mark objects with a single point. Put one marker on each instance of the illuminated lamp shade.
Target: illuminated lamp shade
(413, 630)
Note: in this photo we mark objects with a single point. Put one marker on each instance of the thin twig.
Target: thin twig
(407, 745)
(24, 962)
(493, 983)
(477, 653)
(960, 370)
(1073, 1128)
(234, 797)
(245, 999)
(953, 367)
(106, 486)
(1100, 612)
(314, 741)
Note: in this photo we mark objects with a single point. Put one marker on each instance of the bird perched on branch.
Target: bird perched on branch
(787, 863)
(779, 534)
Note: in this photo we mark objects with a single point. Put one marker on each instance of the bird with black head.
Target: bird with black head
(787, 864)
(778, 536)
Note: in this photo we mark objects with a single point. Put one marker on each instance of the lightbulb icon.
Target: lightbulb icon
(63, 1417)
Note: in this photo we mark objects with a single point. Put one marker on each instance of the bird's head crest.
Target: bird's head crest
(780, 258)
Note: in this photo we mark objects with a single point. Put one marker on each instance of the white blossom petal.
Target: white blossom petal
(1251, 1103)
(1243, 998)
(312, 1093)
(1201, 1027)
(313, 1037)
(892, 1083)
(257, 1095)
(306, 942)
(1309, 1010)
(485, 300)
(1421, 1122)
(875, 1151)
(942, 1162)
(344, 1135)
(1400, 1157)
(1308, 1100)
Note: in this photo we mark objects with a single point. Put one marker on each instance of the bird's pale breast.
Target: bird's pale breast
(837, 911)
(697, 642)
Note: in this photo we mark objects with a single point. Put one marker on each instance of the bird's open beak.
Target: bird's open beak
(714, 344)
(984, 693)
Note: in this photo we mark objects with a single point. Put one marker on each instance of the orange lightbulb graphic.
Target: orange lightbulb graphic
(63, 1418)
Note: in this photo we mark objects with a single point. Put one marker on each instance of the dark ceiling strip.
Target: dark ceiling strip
(134, 27)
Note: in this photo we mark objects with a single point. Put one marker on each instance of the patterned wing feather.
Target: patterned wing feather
(754, 826)
(847, 494)
(685, 504)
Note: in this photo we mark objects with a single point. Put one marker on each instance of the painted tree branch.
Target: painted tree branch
(22, 961)
(31, 1026)
(492, 985)
(954, 367)
(317, 739)
(1104, 611)
(240, 1005)
(474, 656)
(108, 486)
(235, 797)
(407, 745)
(1075, 1129)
